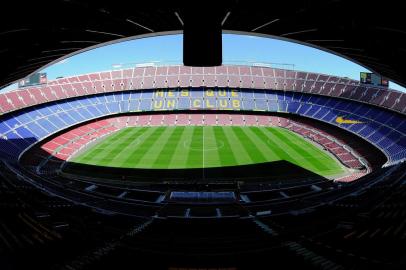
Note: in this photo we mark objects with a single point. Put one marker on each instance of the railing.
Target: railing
(157, 63)
(160, 63)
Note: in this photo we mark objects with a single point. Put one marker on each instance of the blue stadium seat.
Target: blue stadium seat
(384, 128)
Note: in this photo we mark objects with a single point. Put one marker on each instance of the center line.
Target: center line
(203, 152)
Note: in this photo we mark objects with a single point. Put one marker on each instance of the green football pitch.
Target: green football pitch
(205, 147)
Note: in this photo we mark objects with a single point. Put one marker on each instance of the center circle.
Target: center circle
(208, 146)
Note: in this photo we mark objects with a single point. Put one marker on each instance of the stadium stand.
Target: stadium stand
(384, 129)
(306, 222)
(272, 79)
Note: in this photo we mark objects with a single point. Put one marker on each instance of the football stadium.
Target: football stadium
(202, 164)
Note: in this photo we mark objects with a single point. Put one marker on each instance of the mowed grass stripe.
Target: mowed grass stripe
(250, 147)
(277, 149)
(126, 142)
(309, 154)
(181, 153)
(226, 154)
(149, 158)
(239, 152)
(115, 146)
(283, 149)
(97, 148)
(212, 148)
(298, 159)
(261, 145)
(306, 144)
(121, 148)
(148, 140)
(318, 154)
(168, 149)
(195, 145)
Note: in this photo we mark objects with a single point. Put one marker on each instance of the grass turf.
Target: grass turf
(204, 147)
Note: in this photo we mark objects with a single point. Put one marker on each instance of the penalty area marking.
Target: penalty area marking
(270, 142)
(137, 140)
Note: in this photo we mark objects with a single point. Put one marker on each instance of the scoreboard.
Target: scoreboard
(34, 79)
(373, 79)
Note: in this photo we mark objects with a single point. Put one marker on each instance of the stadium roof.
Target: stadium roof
(368, 33)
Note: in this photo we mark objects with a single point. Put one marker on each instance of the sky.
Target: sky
(237, 49)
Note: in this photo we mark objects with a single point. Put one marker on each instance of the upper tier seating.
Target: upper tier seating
(224, 76)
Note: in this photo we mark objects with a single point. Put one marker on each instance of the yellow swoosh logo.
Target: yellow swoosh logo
(341, 120)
